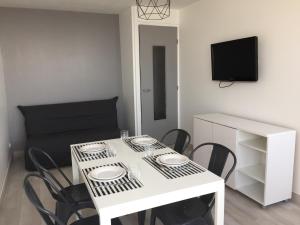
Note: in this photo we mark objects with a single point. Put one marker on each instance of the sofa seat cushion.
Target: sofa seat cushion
(58, 145)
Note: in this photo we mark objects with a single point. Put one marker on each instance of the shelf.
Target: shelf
(259, 144)
(254, 191)
(256, 172)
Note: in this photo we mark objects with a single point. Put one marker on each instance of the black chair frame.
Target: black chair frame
(44, 172)
(210, 198)
(179, 147)
(61, 210)
(47, 215)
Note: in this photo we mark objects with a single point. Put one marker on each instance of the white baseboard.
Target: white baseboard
(3, 185)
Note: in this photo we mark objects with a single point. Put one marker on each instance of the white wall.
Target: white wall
(275, 97)
(56, 57)
(5, 155)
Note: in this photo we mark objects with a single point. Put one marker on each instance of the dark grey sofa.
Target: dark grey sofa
(55, 127)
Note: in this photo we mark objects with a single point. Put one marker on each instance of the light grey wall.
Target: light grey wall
(55, 57)
(4, 151)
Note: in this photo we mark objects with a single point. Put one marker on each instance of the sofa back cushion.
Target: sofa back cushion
(57, 118)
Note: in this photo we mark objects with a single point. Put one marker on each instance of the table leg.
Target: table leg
(75, 171)
(104, 220)
(219, 206)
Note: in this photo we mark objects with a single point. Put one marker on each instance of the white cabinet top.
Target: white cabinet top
(242, 124)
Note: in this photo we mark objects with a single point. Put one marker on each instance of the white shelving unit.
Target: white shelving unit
(254, 191)
(259, 144)
(265, 154)
(256, 172)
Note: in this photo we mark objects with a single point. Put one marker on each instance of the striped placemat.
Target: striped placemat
(107, 188)
(138, 148)
(82, 157)
(174, 172)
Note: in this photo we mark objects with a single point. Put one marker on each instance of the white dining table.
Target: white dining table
(152, 189)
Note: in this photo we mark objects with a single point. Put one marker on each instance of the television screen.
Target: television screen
(235, 60)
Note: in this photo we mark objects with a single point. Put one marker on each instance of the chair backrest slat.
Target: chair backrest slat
(182, 139)
(218, 159)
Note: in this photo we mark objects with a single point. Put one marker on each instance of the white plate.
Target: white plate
(107, 180)
(172, 160)
(107, 173)
(170, 165)
(93, 148)
(143, 141)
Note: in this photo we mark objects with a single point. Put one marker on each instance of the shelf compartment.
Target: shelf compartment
(256, 172)
(258, 144)
(254, 191)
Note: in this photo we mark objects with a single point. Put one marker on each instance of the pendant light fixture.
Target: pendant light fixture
(153, 9)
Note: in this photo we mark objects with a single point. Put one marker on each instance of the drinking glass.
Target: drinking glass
(134, 172)
(110, 150)
(124, 134)
(149, 150)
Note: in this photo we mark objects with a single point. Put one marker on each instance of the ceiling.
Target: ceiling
(99, 6)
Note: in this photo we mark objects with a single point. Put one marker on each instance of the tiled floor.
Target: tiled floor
(239, 210)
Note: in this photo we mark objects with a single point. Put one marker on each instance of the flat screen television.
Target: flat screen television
(235, 60)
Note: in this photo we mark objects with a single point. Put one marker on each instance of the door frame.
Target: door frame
(136, 66)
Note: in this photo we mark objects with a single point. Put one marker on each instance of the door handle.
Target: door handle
(146, 90)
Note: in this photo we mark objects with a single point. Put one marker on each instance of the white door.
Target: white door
(158, 64)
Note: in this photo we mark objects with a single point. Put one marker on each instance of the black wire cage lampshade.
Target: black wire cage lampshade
(153, 9)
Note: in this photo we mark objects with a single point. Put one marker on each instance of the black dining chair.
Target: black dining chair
(49, 217)
(196, 211)
(177, 139)
(77, 195)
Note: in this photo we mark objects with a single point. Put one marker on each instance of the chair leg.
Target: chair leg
(141, 217)
(153, 217)
(209, 219)
(62, 212)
